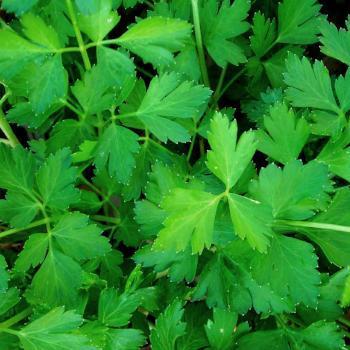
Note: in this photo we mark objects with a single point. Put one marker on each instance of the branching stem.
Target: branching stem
(31, 225)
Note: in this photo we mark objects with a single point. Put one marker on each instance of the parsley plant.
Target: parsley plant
(174, 175)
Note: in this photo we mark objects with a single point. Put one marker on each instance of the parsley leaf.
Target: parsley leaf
(298, 22)
(251, 221)
(191, 220)
(264, 32)
(117, 148)
(310, 86)
(287, 134)
(221, 332)
(99, 22)
(155, 39)
(333, 243)
(166, 99)
(228, 158)
(71, 234)
(169, 327)
(55, 330)
(336, 43)
(296, 192)
(125, 339)
(321, 335)
(56, 180)
(218, 30)
(115, 310)
(17, 6)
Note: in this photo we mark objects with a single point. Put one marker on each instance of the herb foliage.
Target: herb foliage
(174, 175)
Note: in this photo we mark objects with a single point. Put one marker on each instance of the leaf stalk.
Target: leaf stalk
(199, 43)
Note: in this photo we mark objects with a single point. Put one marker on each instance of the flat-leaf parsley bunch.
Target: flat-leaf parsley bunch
(174, 175)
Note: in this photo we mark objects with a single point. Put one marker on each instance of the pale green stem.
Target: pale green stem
(5, 126)
(115, 221)
(220, 84)
(73, 108)
(78, 35)
(15, 319)
(190, 151)
(317, 225)
(17, 230)
(199, 42)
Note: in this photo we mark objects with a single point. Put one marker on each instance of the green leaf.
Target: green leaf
(118, 69)
(22, 112)
(335, 244)
(93, 93)
(309, 85)
(99, 22)
(4, 275)
(79, 239)
(8, 300)
(336, 155)
(177, 9)
(286, 135)
(33, 253)
(57, 280)
(335, 43)
(218, 31)
(16, 53)
(56, 179)
(251, 221)
(345, 298)
(8, 297)
(125, 339)
(181, 265)
(109, 267)
(256, 109)
(293, 263)
(186, 63)
(294, 193)
(55, 13)
(131, 3)
(264, 33)
(117, 148)
(167, 98)
(195, 317)
(275, 66)
(163, 179)
(49, 85)
(115, 310)
(220, 331)
(150, 217)
(18, 209)
(341, 86)
(39, 32)
(19, 7)
(155, 39)
(17, 170)
(87, 7)
(321, 335)
(191, 215)
(68, 133)
(227, 282)
(169, 327)
(54, 331)
(298, 22)
(21, 204)
(228, 158)
(329, 302)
